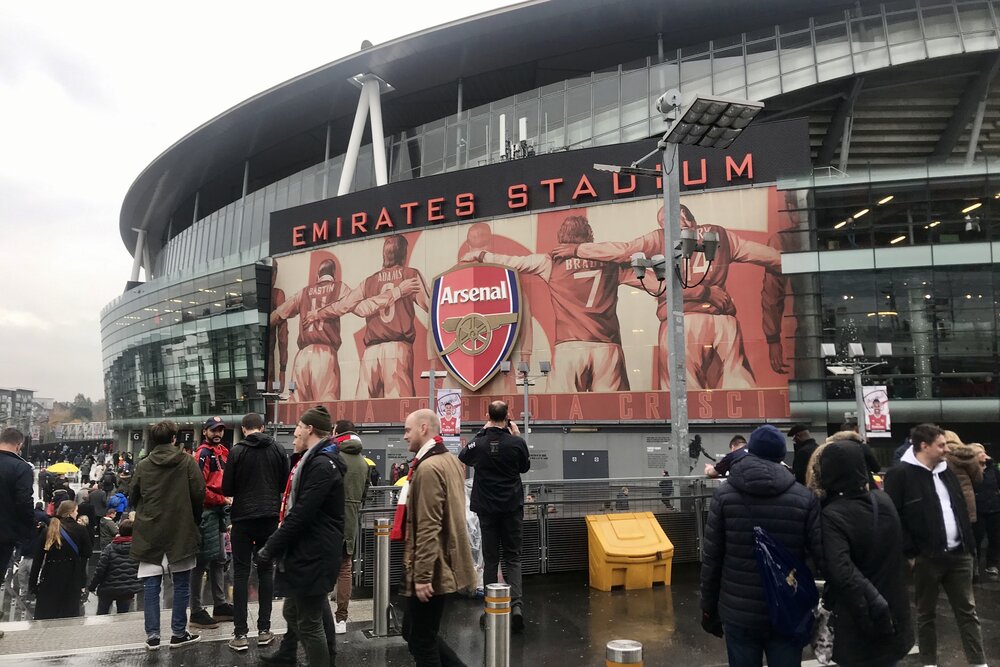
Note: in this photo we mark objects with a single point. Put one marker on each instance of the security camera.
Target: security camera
(659, 267)
(669, 101)
(711, 243)
(639, 265)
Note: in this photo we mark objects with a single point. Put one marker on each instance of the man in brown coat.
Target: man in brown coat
(437, 559)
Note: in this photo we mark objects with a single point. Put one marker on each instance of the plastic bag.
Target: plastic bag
(822, 641)
(789, 588)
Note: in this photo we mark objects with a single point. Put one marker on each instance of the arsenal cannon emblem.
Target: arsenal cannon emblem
(475, 319)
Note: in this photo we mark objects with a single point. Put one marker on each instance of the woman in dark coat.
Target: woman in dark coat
(866, 590)
(59, 570)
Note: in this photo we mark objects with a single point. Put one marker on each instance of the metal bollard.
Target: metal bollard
(498, 625)
(381, 607)
(623, 653)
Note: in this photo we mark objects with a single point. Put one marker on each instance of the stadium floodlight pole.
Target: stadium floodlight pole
(708, 122)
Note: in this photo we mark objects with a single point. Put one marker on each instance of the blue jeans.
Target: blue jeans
(746, 648)
(151, 600)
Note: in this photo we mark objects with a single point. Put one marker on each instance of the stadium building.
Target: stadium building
(340, 230)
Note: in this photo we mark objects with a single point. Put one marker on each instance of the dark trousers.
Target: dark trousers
(988, 528)
(953, 573)
(747, 648)
(304, 614)
(503, 530)
(123, 604)
(421, 624)
(247, 538)
(6, 552)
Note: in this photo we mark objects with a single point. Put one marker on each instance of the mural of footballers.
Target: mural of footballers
(279, 337)
(387, 362)
(716, 358)
(319, 306)
(588, 355)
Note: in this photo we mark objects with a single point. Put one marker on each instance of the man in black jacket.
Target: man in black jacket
(500, 456)
(310, 539)
(17, 521)
(804, 445)
(759, 492)
(254, 478)
(938, 540)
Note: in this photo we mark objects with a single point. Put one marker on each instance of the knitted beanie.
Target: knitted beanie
(318, 418)
(767, 442)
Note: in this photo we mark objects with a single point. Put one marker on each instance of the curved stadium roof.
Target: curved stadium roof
(495, 54)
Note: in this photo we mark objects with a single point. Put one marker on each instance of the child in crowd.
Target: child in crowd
(117, 576)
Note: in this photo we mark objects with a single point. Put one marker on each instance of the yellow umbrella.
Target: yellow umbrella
(400, 482)
(369, 462)
(63, 468)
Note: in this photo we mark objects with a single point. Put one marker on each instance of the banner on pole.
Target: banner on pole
(449, 409)
(877, 422)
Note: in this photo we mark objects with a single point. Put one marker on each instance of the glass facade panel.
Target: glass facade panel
(578, 117)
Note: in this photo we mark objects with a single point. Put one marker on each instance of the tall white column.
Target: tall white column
(371, 87)
(140, 243)
(354, 145)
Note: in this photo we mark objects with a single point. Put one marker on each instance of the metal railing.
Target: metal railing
(555, 529)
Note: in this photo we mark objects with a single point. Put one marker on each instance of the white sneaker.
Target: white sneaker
(340, 627)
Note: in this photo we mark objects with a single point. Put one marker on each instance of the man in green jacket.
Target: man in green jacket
(168, 492)
(355, 486)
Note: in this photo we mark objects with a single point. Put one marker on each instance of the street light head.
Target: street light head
(829, 350)
(689, 242)
(883, 349)
(713, 122)
(505, 367)
(291, 387)
(522, 367)
(855, 350)
(613, 168)
(639, 265)
(545, 367)
(261, 386)
(711, 242)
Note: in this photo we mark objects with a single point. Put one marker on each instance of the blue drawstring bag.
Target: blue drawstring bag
(789, 588)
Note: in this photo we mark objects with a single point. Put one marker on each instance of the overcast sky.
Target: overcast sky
(91, 93)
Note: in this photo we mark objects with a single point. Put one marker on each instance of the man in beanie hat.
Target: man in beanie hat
(804, 445)
(307, 545)
(760, 492)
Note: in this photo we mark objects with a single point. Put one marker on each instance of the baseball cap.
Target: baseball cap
(214, 422)
(795, 430)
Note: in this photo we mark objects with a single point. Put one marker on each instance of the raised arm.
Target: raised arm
(286, 310)
(536, 264)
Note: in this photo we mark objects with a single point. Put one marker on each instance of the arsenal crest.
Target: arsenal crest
(475, 319)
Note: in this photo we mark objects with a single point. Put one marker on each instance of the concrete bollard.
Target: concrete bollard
(623, 653)
(380, 612)
(498, 625)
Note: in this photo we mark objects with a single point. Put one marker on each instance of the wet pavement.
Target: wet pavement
(566, 623)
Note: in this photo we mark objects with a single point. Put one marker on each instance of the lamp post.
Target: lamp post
(856, 367)
(431, 376)
(276, 395)
(708, 122)
(525, 380)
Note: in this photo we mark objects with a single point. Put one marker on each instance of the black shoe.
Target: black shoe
(516, 619)
(153, 643)
(279, 657)
(183, 640)
(223, 612)
(201, 619)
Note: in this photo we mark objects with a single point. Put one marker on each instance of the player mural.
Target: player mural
(552, 285)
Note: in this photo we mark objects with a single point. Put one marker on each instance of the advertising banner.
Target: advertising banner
(354, 324)
(449, 410)
(877, 421)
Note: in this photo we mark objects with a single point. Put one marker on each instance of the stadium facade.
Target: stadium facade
(858, 208)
